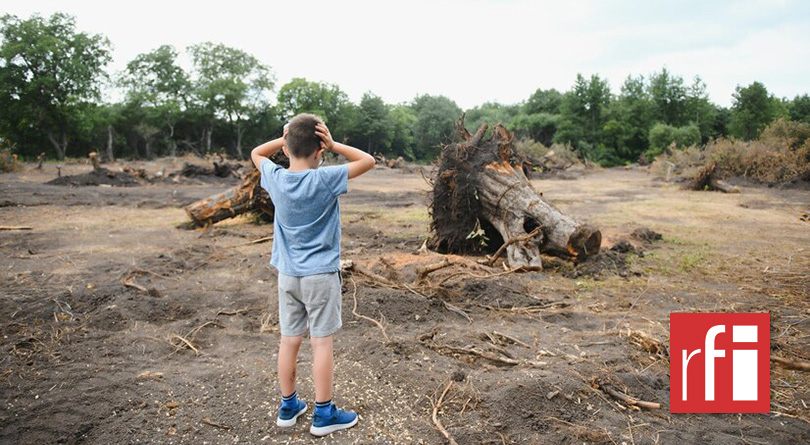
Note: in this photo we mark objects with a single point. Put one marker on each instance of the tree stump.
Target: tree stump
(706, 179)
(482, 200)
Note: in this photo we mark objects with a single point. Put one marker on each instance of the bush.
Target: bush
(782, 153)
(535, 150)
(663, 136)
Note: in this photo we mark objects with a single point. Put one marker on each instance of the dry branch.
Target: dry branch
(16, 228)
(790, 364)
(208, 421)
(624, 397)
(427, 341)
(423, 272)
(510, 338)
(354, 311)
(435, 417)
(187, 343)
(519, 239)
(128, 283)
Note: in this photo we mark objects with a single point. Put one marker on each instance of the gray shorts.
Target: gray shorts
(315, 299)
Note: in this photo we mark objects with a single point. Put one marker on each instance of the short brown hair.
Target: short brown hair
(301, 138)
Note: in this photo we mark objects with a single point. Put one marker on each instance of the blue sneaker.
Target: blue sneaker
(328, 418)
(289, 411)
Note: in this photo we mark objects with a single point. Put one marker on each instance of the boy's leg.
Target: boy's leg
(287, 359)
(322, 295)
(323, 367)
(292, 319)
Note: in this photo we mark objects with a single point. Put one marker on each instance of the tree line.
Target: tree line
(52, 77)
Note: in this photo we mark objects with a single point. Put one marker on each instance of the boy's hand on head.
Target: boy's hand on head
(326, 137)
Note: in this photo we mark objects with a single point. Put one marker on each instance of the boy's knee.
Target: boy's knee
(294, 341)
(320, 341)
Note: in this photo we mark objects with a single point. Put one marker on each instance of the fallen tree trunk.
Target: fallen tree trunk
(248, 196)
(482, 200)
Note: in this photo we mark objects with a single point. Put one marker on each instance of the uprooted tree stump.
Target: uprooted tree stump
(248, 196)
(483, 201)
(706, 179)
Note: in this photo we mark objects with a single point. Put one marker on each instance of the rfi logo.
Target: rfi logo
(719, 363)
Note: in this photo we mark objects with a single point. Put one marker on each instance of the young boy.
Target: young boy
(306, 252)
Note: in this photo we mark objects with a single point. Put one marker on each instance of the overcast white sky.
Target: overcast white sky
(473, 51)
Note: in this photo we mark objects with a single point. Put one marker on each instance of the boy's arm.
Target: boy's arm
(359, 161)
(267, 150)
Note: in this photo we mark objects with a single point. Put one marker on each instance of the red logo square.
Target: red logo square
(719, 363)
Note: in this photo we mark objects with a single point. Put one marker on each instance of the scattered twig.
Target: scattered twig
(256, 241)
(510, 338)
(457, 310)
(16, 228)
(187, 343)
(493, 275)
(624, 397)
(359, 269)
(208, 421)
(145, 271)
(231, 312)
(648, 343)
(423, 272)
(519, 239)
(129, 283)
(791, 364)
(427, 340)
(194, 331)
(354, 311)
(435, 417)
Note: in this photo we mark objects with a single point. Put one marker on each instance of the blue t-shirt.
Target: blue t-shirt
(306, 225)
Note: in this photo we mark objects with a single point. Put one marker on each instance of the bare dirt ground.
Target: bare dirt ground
(185, 351)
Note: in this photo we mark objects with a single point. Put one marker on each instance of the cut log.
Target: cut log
(482, 199)
(248, 196)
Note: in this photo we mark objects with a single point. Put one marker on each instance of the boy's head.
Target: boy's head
(301, 138)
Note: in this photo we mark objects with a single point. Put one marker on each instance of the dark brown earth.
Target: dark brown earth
(88, 359)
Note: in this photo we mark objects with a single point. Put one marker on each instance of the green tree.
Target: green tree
(490, 113)
(403, 122)
(325, 100)
(629, 121)
(753, 108)
(799, 109)
(583, 114)
(435, 124)
(231, 85)
(668, 95)
(156, 82)
(543, 101)
(49, 72)
(699, 110)
(372, 129)
(540, 127)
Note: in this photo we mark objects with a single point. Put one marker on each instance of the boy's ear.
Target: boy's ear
(286, 152)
